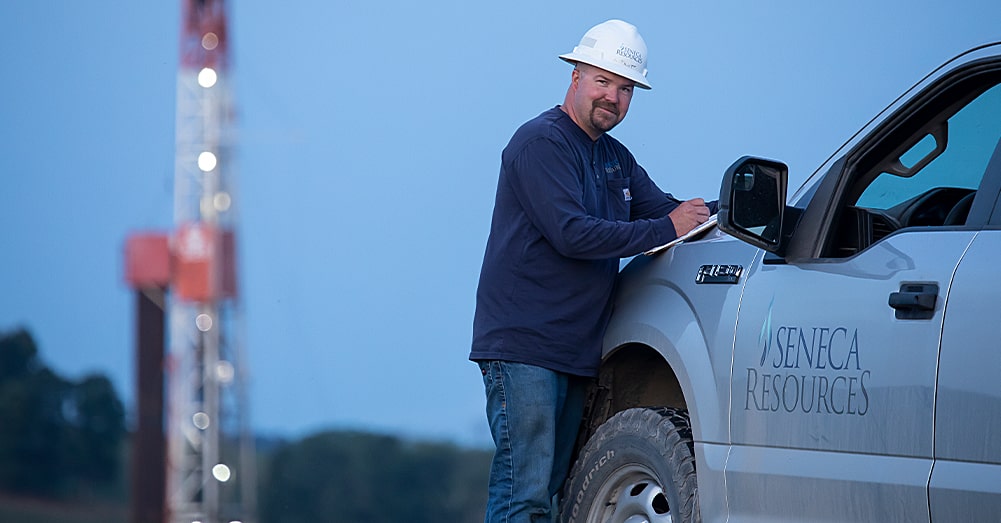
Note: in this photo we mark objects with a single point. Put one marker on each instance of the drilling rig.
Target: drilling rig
(193, 453)
(210, 452)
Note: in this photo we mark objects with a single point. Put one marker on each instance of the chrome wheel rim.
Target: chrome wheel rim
(631, 494)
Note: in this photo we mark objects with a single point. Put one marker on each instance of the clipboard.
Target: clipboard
(698, 230)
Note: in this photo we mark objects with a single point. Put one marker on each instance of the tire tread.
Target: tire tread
(665, 429)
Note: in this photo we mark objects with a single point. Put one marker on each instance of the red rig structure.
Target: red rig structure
(193, 456)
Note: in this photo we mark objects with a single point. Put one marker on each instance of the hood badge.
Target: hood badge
(719, 274)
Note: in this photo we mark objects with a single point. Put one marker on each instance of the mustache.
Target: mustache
(605, 105)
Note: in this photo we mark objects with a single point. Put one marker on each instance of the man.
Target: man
(571, 201)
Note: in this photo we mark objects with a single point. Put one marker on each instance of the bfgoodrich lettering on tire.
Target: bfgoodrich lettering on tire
(638, 467)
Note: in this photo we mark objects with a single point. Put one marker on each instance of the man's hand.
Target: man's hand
(689, 214)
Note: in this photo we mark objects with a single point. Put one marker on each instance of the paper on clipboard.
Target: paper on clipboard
(699, 229)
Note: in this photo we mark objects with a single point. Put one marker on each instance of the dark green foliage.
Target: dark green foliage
(54, 435)
(64, 441)
(30, 436)
(95, 429)
(18, 356)
(348, 477)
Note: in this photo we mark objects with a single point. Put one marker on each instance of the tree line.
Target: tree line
(56, 435)
(361, 477)
(68, 440)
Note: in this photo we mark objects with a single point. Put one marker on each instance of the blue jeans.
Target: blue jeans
(534, 415)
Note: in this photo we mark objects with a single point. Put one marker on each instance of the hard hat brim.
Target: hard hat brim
(628, 74)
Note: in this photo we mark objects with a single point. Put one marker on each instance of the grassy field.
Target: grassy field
(27, 510)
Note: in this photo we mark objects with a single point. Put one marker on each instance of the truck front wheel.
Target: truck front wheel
(639, 467)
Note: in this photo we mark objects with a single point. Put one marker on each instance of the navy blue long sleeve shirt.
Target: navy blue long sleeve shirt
(567, 209)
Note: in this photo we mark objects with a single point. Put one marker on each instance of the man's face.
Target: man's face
(600, 99)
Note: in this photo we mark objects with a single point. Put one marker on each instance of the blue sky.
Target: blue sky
(370, 134)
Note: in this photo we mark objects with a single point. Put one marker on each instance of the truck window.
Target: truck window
(927, 177)
(972, 134)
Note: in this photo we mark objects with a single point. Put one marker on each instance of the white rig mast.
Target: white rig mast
(210, 454)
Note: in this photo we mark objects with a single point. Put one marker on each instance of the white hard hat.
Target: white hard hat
(616, 47)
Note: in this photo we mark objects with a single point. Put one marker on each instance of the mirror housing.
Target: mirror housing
(752, 202)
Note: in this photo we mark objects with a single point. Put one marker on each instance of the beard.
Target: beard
(600, 119)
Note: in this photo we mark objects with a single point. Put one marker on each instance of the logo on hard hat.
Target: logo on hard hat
(631, 54)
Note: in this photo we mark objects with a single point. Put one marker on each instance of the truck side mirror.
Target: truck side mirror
(752, 201)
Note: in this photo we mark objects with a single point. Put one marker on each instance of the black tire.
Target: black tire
(638, 467)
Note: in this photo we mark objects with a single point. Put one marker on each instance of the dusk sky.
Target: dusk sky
(369, 144)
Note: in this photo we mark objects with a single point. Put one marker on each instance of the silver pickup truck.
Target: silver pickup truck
(833, 358)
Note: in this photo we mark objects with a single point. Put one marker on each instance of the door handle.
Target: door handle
(914, 301)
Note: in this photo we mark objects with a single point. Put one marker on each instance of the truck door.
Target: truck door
(966, 480)
(833, 396)
(836, 351)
